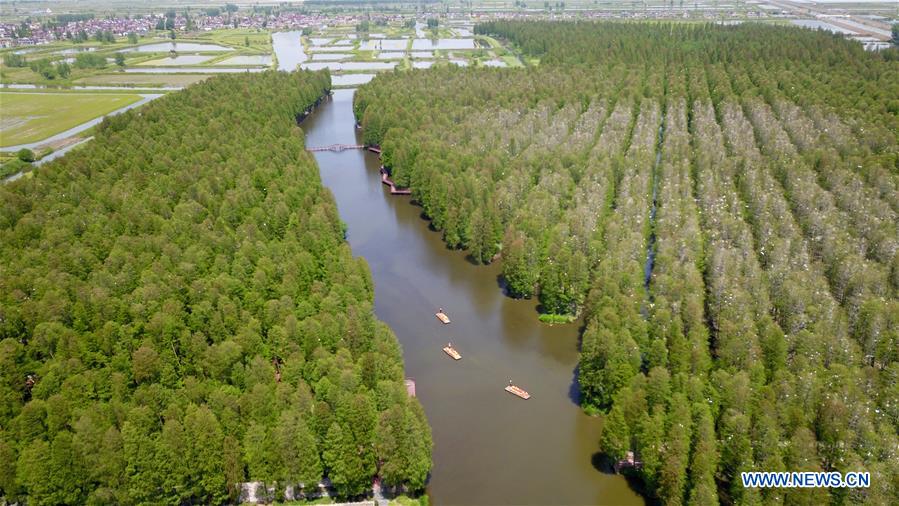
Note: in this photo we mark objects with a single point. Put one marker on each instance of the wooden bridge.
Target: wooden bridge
(336, 147)
(385, 178)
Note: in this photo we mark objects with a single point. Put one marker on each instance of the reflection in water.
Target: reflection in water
(489, 447)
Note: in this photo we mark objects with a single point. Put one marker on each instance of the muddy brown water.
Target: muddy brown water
(490, 448)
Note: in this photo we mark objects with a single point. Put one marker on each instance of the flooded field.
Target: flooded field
(384, 44)
(187, 59)
(443, 44)
(331, 56)
(177, 46)
(349, 65)
(195, 70)
(256, 59)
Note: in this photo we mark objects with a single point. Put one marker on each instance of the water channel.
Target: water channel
(489, 447)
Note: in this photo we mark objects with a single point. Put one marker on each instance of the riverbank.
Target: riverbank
(478, 428)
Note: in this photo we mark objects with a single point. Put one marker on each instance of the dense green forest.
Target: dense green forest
(719, 204)
(180, 313)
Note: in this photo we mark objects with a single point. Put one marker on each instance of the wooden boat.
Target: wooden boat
(452, 352)
(520, 392)
(442, 317)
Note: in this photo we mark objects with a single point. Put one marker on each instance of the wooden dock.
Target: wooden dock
(385, 175)
(628, 462)
(452, 352)
(385, 178)
(520, 392)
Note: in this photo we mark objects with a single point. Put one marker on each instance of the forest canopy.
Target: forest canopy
(180, 313)
(718, 203)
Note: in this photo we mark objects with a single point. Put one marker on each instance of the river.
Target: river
(489, 446)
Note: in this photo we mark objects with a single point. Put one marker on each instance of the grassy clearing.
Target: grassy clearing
(142, 79)
(363, 55)
(23, 75)
(556, 318)
(10, 167)
(31, 117)
(512, 61)
(408, 501)
(260, 41)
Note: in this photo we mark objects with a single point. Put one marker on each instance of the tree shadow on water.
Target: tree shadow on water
(501, 284)
(574, 390)
(602, 463)
(472, 261)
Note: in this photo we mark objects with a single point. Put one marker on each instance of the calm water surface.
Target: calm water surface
(489, 447)
(443, 44)
(288, 48)
(391, 55)
(384, 44)
(330, 49)
(351, 79)
(252, 59)
(177, 46)
(331, 56)
(348, 65)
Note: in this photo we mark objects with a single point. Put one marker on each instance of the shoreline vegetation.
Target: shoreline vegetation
(719, 202)
(178, 315)
(557, 318)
